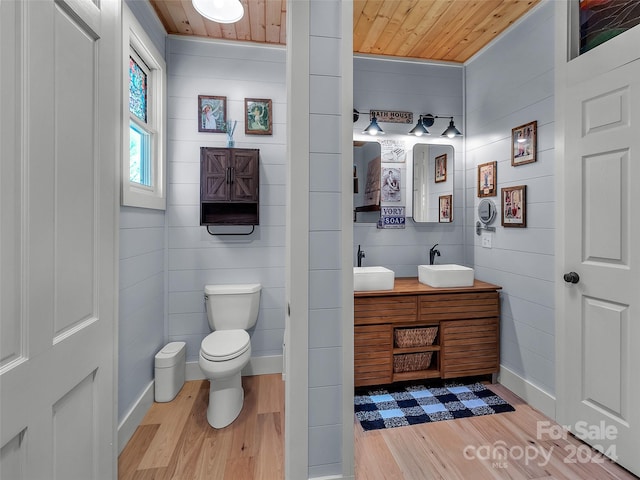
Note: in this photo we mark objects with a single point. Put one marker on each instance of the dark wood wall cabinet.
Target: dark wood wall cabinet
(416, 332)
(229, 186)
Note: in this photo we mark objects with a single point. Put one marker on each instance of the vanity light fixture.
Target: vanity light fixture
(428, 120)
(374, 128)
(451, 130)
(220, 11)
(420, 128)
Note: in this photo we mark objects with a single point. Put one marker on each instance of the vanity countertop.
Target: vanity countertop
(411, 286)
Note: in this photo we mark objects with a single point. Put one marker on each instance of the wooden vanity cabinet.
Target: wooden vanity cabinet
(467, 341)
(373, 335)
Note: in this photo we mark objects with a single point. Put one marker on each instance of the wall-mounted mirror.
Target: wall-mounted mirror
(367, 163)
(433, 182)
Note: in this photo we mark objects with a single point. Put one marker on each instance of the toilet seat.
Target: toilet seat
(223, 345)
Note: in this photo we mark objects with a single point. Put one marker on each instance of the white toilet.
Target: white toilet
(231, 310)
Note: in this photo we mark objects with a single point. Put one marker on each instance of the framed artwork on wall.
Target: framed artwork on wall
(257, 116)
(514, 206)
(524, 144)
(441, 168)
(212, 114)
(487, 179)
(445, 210)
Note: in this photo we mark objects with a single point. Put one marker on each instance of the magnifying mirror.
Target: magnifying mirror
(486, 213)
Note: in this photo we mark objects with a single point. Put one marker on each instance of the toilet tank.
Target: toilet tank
(232, 306)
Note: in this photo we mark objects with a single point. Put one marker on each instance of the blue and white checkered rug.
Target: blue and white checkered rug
(418, 404)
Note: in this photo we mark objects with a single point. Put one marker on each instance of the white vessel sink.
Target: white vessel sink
(372, 278)
(450, 275)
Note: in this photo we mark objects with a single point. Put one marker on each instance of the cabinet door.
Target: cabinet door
(214, 174)
(373, 348)
(469, 347)
(244, 176)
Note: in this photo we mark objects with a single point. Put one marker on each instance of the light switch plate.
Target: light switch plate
(486, 240)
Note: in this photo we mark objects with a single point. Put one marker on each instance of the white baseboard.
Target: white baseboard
(332, 477)
(256, 366)
(530, 393)
(134, 416)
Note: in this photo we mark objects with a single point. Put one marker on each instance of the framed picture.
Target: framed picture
(441, 168)
(391, 185)
(445, 210)
(212, 114)
(514, 206)
(487, 179)
(524, 144)
(257, 116)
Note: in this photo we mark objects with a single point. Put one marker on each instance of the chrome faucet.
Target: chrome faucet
(360, 256)
(433, 252)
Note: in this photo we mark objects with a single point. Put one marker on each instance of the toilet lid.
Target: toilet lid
(224, 345)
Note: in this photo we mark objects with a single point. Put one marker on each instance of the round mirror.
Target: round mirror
(486, 211)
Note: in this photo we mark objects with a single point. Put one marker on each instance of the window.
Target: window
(143, 161)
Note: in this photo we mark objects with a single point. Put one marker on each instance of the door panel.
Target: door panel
(606, 377)
(74, 186)
(11, 235)
(606, 189)
(215, 174)
(57, 405)
(596, 315)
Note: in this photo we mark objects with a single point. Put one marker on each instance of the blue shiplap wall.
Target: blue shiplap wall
(197, 67)
(141, 331)
(510, 84)
(141, 310)
(325, 264)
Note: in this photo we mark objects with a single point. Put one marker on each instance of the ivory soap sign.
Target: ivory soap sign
(391, 217)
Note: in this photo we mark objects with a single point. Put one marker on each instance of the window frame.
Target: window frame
(137, 43)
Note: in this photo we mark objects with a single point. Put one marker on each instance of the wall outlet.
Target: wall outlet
(486, 240)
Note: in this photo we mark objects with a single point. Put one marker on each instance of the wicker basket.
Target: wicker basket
(411, 362)
(415, 337)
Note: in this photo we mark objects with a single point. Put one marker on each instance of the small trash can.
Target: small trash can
(169, 371)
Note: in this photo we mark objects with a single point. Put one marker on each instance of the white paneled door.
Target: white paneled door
(59, 77)
(598, 384)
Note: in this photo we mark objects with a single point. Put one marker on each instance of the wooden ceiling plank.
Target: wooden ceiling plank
(413, 18)
(228, 31)
(446, 22)
(195, 19)
(383, 17)
(213, 29)
(179, 17)
(283, 29)
(358, 5)
(243, 27)
(459, 28)
(424, 26)
(490, 29)
(450, 30)
(365, 21)
(391, 30)
(160, 7)
(273, 11)
(473, 41)
(257, 20)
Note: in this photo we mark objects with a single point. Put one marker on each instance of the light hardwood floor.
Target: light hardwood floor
(458, 450)
(175, 441)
